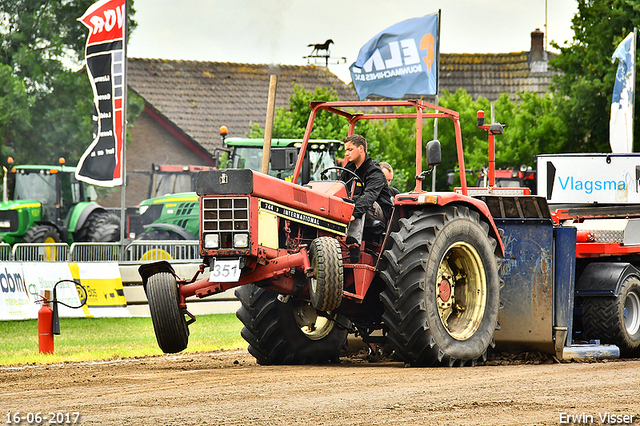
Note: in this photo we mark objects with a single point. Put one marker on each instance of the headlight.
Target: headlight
(211, 241)
(143, 209)
(5, 224)
(241, 240)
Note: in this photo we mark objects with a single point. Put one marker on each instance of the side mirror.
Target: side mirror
(451, 179)
(434, 153)
(283, 158)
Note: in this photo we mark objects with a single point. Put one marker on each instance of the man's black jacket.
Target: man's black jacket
(375, 187)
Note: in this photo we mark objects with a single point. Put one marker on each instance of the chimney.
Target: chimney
(537, 46)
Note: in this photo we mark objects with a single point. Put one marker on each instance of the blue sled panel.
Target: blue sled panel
(526, 320)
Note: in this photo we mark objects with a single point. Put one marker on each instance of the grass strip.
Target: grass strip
(95, 339)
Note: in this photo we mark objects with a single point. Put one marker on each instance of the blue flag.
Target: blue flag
(400, 60)
(621, 122)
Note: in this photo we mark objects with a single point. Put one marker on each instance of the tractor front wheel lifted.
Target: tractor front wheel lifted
(169, 323)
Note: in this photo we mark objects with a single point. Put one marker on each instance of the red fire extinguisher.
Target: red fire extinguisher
(45, 326)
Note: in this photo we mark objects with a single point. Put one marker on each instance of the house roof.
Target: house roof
(491, 74)
(199, 97)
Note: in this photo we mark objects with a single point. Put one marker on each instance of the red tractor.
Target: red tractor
(427, 282)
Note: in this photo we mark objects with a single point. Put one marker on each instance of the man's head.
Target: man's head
(388, 171)
(355, 147)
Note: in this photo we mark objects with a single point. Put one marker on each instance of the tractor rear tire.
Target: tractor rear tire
(42, 234)
(169, 324)
(615, 320)
(103, 227)
(288, 332)
(326, 286)
(442, 292)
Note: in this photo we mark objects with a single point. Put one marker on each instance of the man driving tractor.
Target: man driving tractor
(372, 196)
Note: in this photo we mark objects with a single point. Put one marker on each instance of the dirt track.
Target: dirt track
(229, 388)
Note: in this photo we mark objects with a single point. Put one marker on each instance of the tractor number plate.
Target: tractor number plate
(225, 271)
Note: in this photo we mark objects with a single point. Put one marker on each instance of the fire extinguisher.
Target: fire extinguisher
(48, 319)
(45, 323)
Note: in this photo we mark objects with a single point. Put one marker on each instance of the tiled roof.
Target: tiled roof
(199, 97)
(491, 74)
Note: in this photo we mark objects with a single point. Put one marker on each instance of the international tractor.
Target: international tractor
(47, 204)
(171, 211)
(450, 276)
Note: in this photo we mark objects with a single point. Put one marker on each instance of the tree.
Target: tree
(291, 122)
(49, 101)
(587, 82)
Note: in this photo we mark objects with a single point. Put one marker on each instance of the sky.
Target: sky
(279, 31)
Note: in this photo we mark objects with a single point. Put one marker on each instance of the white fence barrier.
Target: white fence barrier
(84, 260)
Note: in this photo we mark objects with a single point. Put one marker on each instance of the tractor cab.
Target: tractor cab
(47, 203)
(320, 154)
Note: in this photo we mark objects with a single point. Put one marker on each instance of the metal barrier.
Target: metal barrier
(136, 252)
(150, 251)
(55, 252)
(95, 252)
(5, 252)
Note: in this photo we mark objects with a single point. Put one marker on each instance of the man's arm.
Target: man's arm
(374, 182)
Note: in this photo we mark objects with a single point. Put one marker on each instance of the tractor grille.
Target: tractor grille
(228, 218)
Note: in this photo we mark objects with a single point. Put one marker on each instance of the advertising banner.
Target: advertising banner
(401, 60)
(102, 163)
(621, 122)
(589, 178)
(22, 283)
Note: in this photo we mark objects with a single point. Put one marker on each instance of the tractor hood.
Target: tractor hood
(248, 182)
(20, 204)
(170, 198)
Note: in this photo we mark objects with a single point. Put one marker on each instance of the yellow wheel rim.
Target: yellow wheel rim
(49, 251)
(156, 254)
(461, 290)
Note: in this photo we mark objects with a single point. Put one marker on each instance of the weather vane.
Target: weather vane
(321, 51)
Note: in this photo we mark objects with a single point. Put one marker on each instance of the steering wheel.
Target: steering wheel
(323, 174)
(354, 176)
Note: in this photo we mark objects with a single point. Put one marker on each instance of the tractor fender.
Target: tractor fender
(149, 269)
(415, 201)
(173, 228)
(81, 213)
(604, 278)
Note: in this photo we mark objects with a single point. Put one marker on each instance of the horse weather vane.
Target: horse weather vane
(321, 51)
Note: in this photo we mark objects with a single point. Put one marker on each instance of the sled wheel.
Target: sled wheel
(289, 332)
(325, 287)
(442, 287)
(615, 320)
(169, 324)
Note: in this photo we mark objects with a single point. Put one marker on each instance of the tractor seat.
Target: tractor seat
(374, 227)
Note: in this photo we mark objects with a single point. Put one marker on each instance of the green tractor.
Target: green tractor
(171, 212)
(47, 204)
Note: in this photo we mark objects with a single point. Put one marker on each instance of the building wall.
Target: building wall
(151, 144)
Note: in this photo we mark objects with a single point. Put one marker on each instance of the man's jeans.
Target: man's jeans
(356, 226)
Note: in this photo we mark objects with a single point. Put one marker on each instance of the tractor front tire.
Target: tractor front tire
(103, 227)
(326, 286)
(442, 287)
(289, 332)
(615, 320)
(169, 323)
(42, 234)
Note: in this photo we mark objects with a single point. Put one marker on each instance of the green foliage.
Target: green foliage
(587, 82)
(291, 122)
(46, 106)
